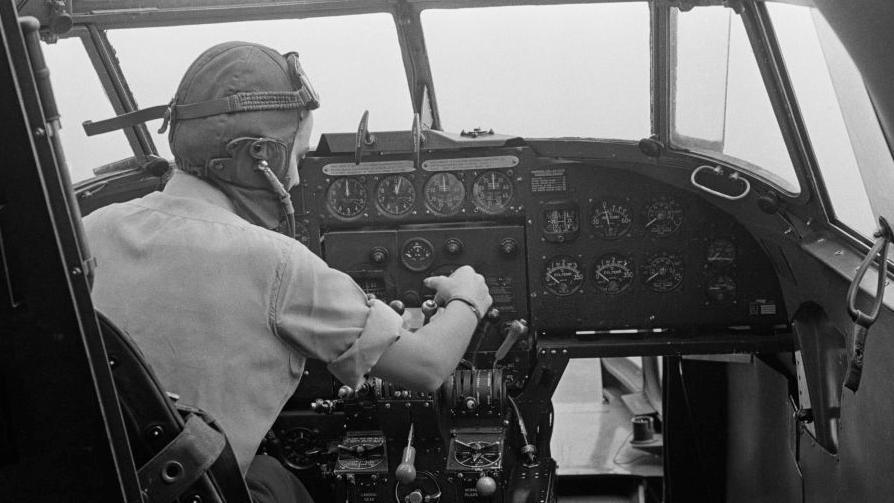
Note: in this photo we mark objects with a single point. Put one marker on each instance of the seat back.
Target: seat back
(180, 452)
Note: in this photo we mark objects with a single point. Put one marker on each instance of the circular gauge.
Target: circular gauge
(663, 216)
(721, 252)
(562, 275)
(492, 192)
(300, 446)
(610, 219)
(721, 289)
(663, 272)
(302, 234)
(346, 197)
(444, 193)
(395, 195)
(561, 221)
(613, 273)
(417, 254)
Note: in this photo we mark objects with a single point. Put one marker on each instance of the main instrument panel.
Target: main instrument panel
(571, 246)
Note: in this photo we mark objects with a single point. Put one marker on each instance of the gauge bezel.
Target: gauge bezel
(361, 181)
(725, 264)
(731, 299)
(630, 265)
(563, 236)
(580, 282)
(484, 207)
(422, 266)
(648, 266)
(621, 203)
(676, 226)
(381, 207)
(425, 195)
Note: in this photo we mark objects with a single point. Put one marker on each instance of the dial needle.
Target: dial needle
(603, 276)
(550, 276)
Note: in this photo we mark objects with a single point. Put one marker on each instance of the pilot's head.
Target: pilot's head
(241, 119)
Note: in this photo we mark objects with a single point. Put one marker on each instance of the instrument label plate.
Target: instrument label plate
(471, 163)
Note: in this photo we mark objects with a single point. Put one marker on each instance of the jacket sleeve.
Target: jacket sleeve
(323, 314)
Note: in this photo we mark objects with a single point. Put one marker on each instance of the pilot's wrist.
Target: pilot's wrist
(468, 303)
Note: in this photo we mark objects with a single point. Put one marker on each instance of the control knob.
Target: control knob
(453, 246)
(509, 247)
(486, 486)
(378, 255)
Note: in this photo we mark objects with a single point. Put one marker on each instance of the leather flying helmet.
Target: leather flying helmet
(233, 123)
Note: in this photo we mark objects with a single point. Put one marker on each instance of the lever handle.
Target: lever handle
(855, 368)
(429, 308)
(517, 329)
(406, 470)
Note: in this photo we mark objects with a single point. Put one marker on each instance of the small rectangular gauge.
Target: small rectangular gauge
(560, 221)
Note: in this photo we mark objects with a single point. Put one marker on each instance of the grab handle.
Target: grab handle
(717, 170)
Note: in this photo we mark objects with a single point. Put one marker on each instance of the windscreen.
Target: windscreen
(543, 71)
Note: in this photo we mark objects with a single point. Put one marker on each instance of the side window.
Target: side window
(720, 104)
(80, 96)
(825, 81)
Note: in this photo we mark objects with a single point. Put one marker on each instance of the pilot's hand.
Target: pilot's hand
(464, 283)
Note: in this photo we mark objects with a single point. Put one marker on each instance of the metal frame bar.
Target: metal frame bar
(408, 22)
(782, 98)
(662, 64)
(105, 63)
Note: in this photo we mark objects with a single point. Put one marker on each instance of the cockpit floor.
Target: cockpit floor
(592, 428)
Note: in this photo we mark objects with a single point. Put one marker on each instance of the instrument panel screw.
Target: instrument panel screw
(40, 132)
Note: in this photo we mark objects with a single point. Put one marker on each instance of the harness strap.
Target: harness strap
(180, 463)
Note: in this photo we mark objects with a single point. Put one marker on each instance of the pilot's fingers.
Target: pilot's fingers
(434, 282)
(463, 271)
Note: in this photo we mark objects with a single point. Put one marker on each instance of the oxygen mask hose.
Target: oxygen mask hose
(285, 200)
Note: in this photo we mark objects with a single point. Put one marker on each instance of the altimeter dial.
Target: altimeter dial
(492, 192)
(444, 193)
(346, 197)
(395, 195)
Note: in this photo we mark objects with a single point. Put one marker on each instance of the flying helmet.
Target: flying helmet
(233, 123)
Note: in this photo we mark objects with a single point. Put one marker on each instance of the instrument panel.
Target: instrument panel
(593, 247)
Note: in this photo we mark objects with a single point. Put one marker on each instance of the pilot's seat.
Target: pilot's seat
(180, 451)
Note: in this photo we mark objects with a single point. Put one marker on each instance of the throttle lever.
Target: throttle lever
(406, 470)
(516, 330)
(429, 308)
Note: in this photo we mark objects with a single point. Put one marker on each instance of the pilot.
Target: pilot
(225, 308)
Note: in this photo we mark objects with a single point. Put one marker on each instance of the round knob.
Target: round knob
(397, 306)
(378, 255)
(486, 486)
(509, 247)
(471, 403)
(411, 298)
(415, 497)
(345, 392)
(453, 246)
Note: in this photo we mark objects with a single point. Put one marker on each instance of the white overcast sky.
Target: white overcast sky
(541, 71)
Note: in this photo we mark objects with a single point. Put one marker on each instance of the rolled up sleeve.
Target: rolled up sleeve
(323, 314)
